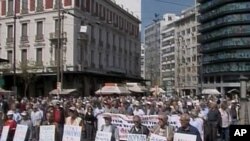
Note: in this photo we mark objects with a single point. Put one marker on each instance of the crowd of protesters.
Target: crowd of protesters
(205, 117)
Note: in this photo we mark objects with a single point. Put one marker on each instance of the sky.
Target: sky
(152, 7)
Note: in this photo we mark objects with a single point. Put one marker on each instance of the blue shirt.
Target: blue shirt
(190, 130)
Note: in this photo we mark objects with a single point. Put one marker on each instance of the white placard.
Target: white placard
(103, 136)
(137, 137)
(184, 137)
(72, 133)
(20, 133)
(5, 132)
(47, 133)
(154, 137)
(83, 29)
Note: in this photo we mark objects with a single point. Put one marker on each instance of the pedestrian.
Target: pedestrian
(164, 129)
(26, 121)
(138, 128)
(109, 127)
(90, 123)
(12, 125)
(187, 128)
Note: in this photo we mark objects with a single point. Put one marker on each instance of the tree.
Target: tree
(27, 74)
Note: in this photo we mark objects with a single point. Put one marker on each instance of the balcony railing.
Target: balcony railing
(9, 40)
(54, 35)
(24, 38)
(39, 38)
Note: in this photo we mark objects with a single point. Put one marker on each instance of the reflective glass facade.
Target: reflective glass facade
(225, 36)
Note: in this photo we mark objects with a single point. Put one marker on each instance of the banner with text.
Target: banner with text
(20, 133)
(47, 133)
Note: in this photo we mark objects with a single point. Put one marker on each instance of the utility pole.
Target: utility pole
(14, 50)
(58, 48)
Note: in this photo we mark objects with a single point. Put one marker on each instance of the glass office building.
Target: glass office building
(225, 42)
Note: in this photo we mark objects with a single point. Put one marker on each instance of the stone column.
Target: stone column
(244, 111)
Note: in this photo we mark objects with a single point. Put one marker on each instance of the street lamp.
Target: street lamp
(14, 51)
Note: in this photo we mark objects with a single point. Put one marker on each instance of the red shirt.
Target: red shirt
(57, 115)
(12, 124)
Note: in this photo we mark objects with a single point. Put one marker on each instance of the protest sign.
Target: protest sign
(20, 134)
(174, 120)
(47, 133)
(103, 136)
(5, 132)
(124, 123)
(154, 137)
(137, 137)
(72, 133)
(184, 137)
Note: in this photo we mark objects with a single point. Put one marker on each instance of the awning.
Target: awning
(109, 89)
(63, 92)
(211, 91)
(3, 91)
(157, 91)
(233, 91)
(136, 88)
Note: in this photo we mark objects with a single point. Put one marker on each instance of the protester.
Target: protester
(163, 129)
(138, 128)
(186, 128)
(109, 127)
(12, 125)
(26, 121)
(225, 121)
(90, 123)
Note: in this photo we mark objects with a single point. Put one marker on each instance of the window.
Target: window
(107, 59)
(10, 7)
(100, 34)
(9, 56)
(24, 29)
(39, 30)
(56, 25)
(10, 31)
(100, 59)
(24, 56)
(24, 6)
(92, 57)
(39, 6)
(107, 37)
(39, 55)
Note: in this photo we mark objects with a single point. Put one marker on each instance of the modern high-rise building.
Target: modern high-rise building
(186, 73)
(107, 48)
(168, 52)
(152, 52)
(225, 40)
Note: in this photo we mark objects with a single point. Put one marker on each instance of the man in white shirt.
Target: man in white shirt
(137, 110)
(197, 122)
(108, 127)
(36, 119)
(226, 120)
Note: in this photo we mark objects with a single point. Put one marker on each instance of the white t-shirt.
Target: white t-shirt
(138, 112)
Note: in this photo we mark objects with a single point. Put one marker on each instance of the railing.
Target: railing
(39, 38)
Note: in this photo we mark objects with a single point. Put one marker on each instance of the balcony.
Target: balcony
(54, 35)
(9, 40)
(10, 13)
(24, 39)
(24, 11)
(39, 38)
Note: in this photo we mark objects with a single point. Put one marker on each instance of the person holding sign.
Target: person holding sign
(138, 128)
(12, 125)
(26, 121)
(109, 127)
(163, 129)
(186, 128)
